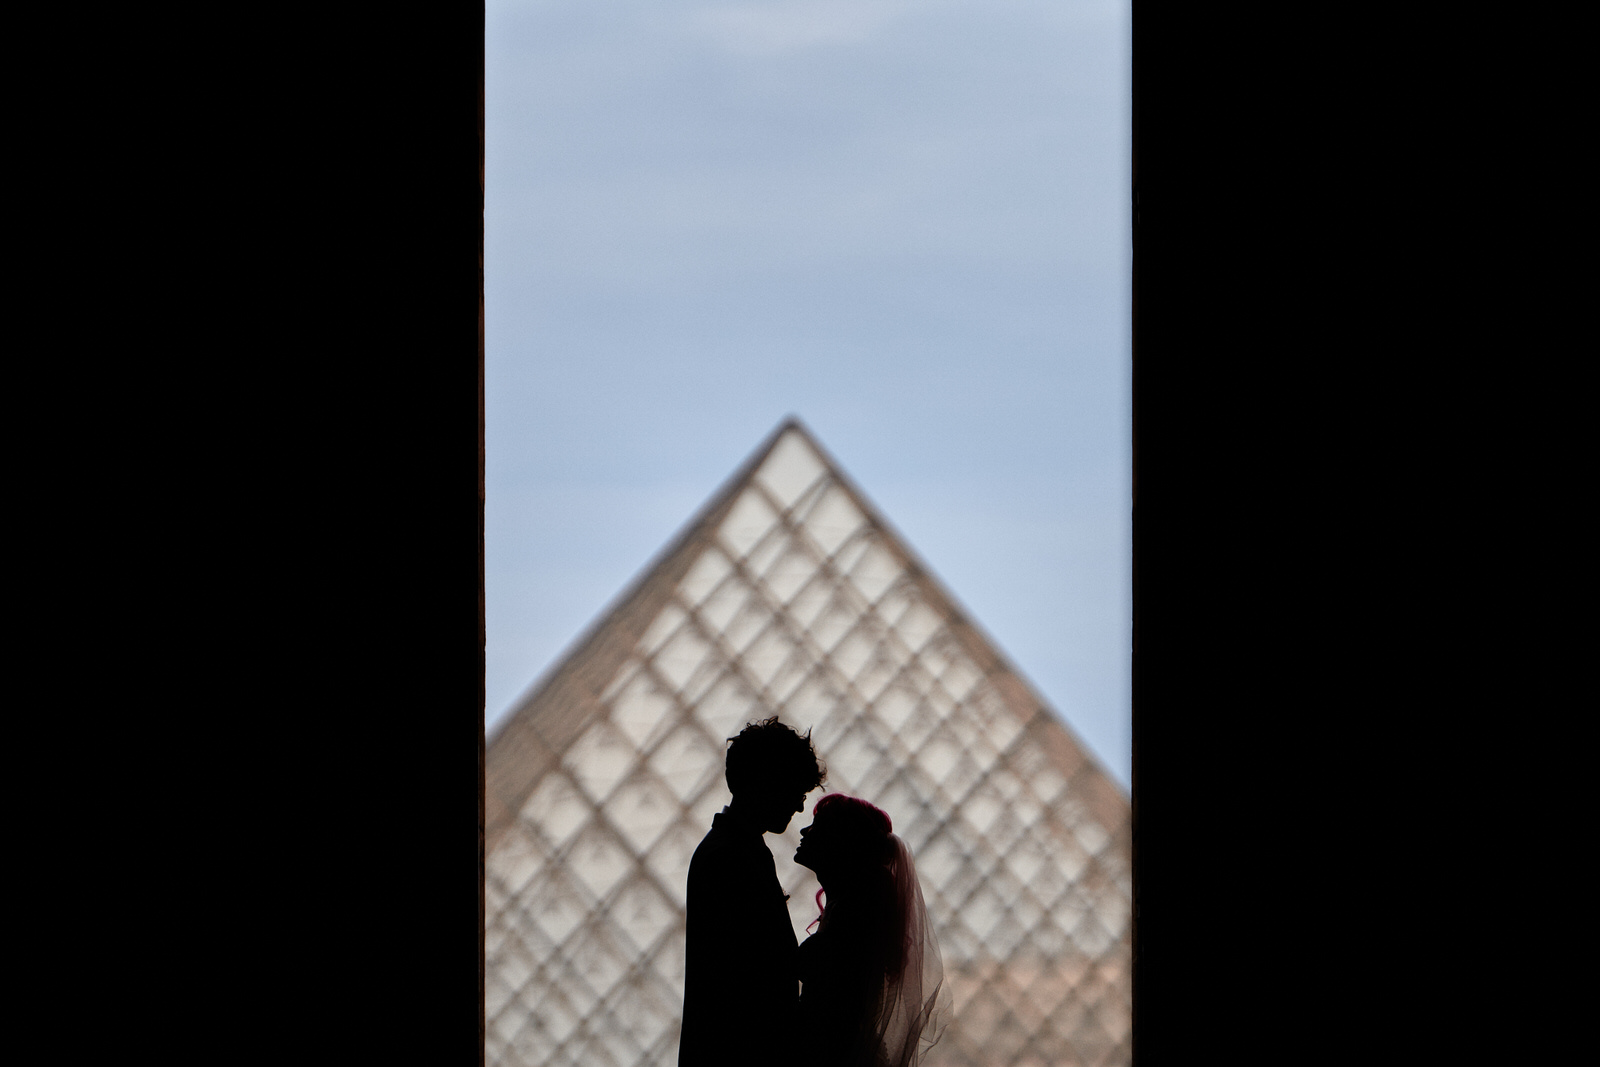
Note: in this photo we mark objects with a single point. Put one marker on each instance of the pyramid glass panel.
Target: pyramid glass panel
(788, 595)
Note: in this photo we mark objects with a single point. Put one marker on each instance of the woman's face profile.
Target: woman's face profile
(816, 843)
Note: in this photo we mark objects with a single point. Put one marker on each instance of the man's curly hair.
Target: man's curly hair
(770, 752)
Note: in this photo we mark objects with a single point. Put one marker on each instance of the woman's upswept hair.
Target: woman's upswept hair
(855, 821)
(860, 829)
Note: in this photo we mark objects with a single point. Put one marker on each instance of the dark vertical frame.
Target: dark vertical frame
(324, 446)
(1192, 443)
(1256, 618)
(1135, 660)
(482, 624)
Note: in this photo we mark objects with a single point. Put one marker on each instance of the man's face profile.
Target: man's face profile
(776, 805)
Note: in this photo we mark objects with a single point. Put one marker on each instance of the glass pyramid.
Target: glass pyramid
(788, 595)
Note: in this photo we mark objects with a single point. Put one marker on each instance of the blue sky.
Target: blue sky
(906, 223)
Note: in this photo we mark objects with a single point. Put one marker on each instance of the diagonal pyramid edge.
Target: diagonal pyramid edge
(1052, 729)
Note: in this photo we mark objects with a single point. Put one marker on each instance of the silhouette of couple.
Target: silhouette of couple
(866, 989)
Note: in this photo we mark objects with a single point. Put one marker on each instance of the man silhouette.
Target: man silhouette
(741, 986)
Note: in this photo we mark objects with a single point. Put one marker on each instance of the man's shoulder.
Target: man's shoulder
(719, 845)
(723, 851)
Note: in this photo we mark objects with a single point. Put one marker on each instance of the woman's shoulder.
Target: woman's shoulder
(816, 946)
(824, 953)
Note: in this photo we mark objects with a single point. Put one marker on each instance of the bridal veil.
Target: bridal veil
(916, 1003)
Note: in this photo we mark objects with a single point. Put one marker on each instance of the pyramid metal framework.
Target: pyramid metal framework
(789, 595)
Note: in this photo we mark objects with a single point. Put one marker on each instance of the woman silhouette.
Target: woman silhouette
(872, 991)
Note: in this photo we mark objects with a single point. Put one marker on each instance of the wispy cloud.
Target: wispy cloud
(790, 25)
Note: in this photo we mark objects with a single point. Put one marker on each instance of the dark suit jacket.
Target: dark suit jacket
(742, 984)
